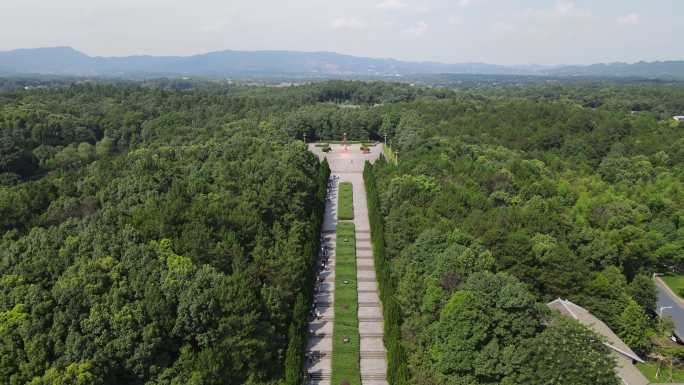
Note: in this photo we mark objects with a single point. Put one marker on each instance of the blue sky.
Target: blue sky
(493, 31)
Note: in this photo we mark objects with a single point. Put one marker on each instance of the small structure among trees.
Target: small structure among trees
(624, 356)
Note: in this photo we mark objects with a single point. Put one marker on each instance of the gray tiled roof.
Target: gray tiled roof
(627, 372)
(584, 317)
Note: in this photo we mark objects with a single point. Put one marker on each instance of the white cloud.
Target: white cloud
(629, 19)
(391, 4)
(562, 10)
(417, 30)
(454, 20)
(348, 23)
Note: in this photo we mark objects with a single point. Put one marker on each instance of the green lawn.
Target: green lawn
(345, 206)
(675, 282)
(649, 370)
(346, 356)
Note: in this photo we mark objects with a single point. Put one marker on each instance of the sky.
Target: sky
(451, 31)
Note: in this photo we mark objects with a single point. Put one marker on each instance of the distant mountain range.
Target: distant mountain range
(242, 64)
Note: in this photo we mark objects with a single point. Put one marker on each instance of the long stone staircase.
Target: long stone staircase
(373, 354)
(349, 168)
(318, 364)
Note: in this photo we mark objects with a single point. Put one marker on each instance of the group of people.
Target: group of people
(323, 267)
(320, 278)
(324, 254)
(331, 188)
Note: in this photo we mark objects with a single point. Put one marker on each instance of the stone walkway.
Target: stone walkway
(319, 347)
(349, 167)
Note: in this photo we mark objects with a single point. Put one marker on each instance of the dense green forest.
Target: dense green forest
(150, 238)
(574, 191)
(164, 232)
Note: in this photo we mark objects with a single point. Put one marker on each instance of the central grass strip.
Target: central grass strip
(345, 206)
(346, 342)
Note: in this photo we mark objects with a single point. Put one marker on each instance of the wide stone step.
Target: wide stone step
(366, 279)
(373, 376)
(371, 328)
(370, 319)
(369, 304)
(370, 334)
(365, 382)
(372, 354)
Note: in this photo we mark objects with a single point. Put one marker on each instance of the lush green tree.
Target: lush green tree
(565, 352)
(642, 289)
(480, 326)
(634, 327)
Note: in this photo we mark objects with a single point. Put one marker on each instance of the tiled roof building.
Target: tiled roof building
(625, 357)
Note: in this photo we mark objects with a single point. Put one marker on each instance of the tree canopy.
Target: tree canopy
(164, 232)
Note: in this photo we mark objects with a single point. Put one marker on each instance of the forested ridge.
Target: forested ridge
(162, 233)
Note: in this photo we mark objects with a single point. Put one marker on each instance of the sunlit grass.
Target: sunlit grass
(649, 370)
(675, 282)
(346, 355)
(345, 207)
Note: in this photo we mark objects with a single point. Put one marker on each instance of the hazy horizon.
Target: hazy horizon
(335, 52)
(458, 31)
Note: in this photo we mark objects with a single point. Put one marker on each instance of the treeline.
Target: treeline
(65, 127)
